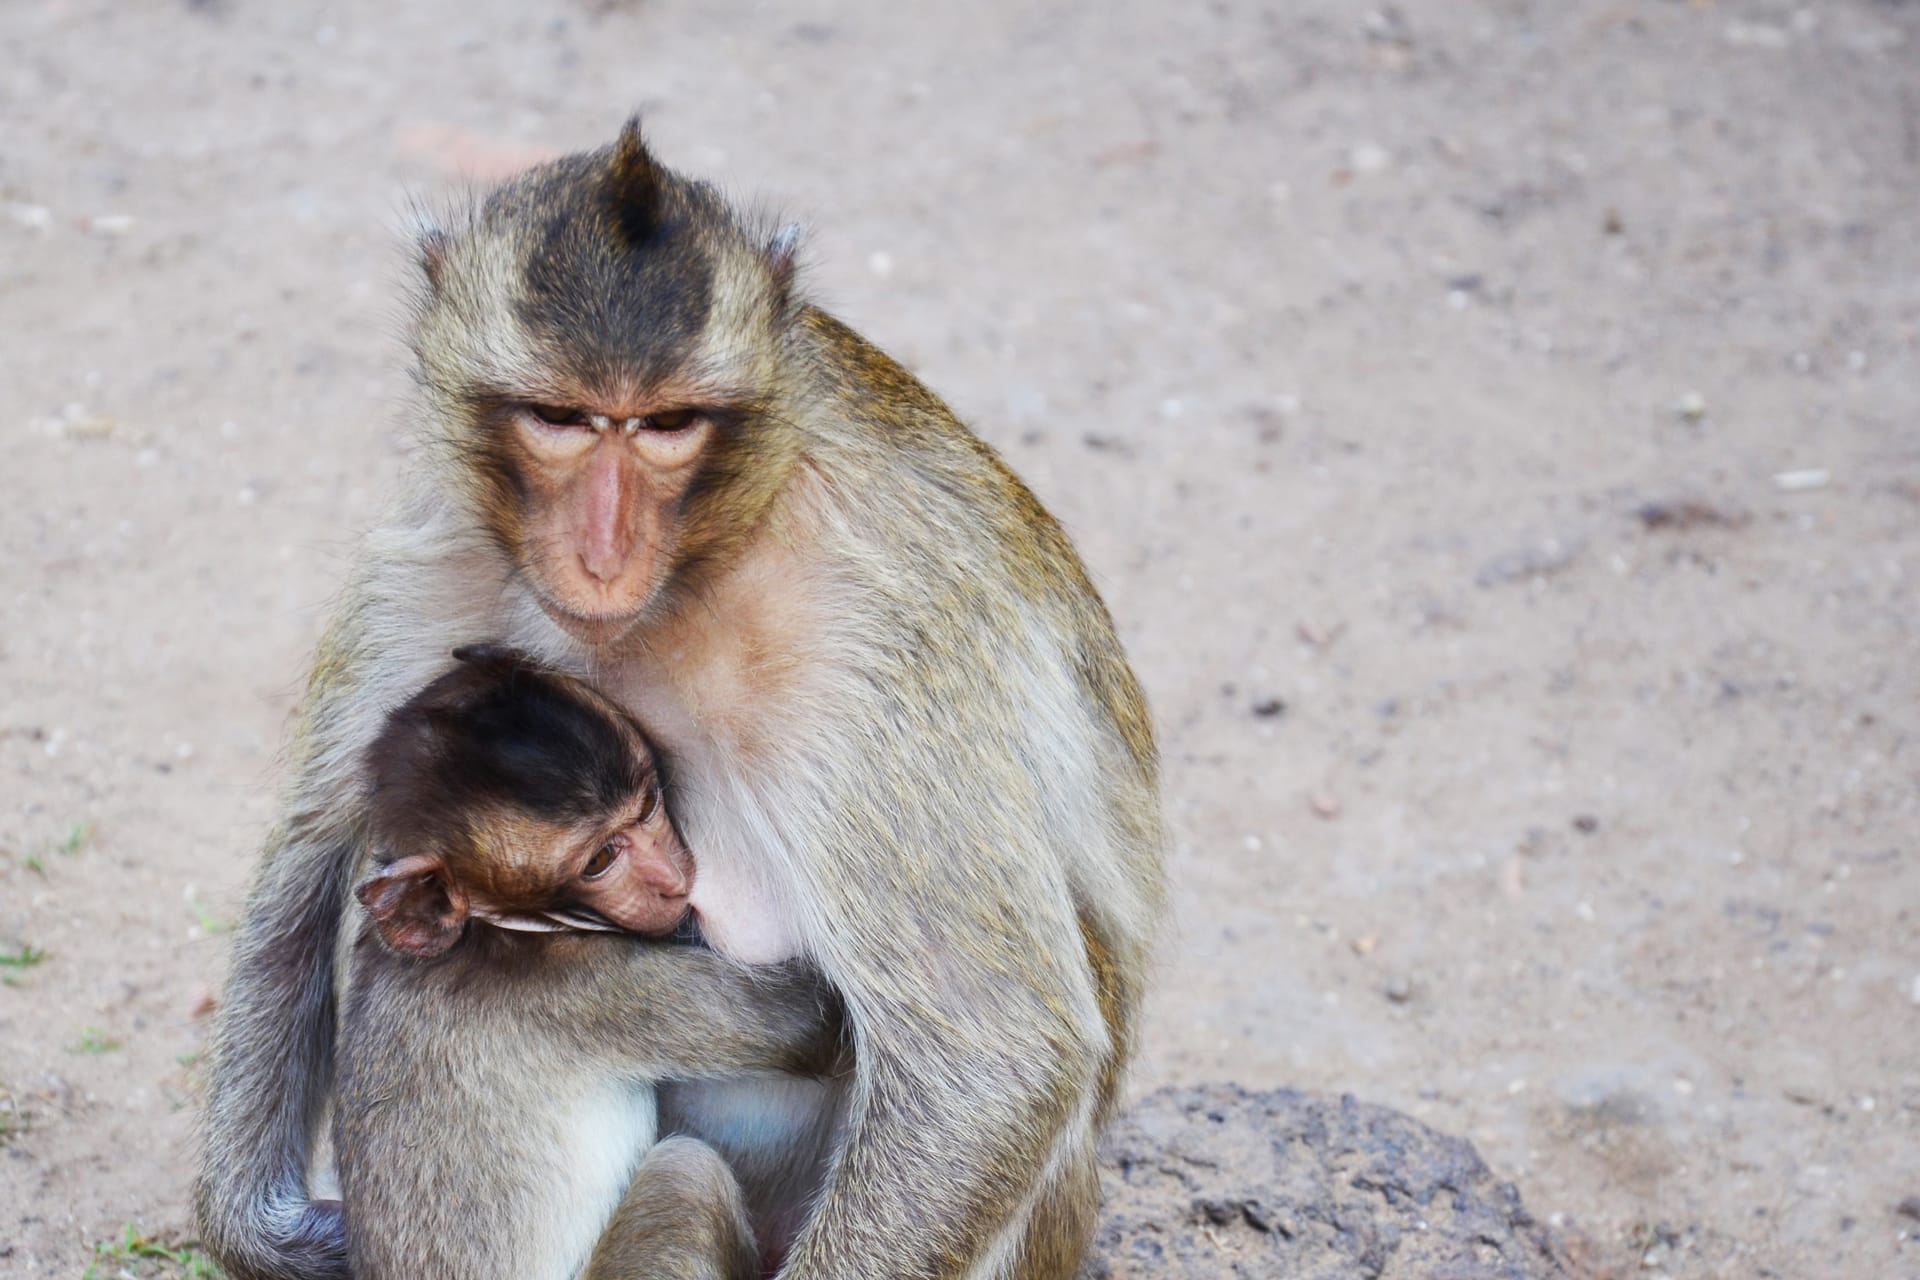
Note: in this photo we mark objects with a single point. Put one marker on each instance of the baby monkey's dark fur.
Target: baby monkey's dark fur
(540, 1049)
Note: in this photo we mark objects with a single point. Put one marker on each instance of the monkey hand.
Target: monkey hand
(297, 1240)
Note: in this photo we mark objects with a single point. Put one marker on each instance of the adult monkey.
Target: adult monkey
(907, 744)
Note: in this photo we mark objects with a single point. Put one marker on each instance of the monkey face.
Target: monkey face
(606, 486)
(599, 350)
(637, 879)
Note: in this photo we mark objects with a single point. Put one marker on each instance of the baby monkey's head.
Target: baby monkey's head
(512, 794)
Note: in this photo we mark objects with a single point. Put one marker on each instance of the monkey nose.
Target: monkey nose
(604, 555)
(668, 882)
(601, 564)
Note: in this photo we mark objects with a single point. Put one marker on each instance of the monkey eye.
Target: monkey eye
(652, 805)
(555, 415)
(671, 420)
(601, 862)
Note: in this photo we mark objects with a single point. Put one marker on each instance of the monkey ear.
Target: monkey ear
(634, 183)
(783, 252)
(418, 910)
(432, 245)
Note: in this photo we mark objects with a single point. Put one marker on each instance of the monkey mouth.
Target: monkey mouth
(588, 628)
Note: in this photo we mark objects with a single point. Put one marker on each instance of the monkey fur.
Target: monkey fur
(907, 744)
(492, 788)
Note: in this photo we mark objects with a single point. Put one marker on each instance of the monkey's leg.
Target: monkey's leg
(1061, 1222)
(683, 1218)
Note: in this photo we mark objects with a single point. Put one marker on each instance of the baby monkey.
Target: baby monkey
(496, 1001)
(524, 800)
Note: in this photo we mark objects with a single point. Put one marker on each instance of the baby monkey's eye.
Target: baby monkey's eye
(652, 805)
(603, 859)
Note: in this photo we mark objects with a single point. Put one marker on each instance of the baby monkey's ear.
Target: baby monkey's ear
(418, 910)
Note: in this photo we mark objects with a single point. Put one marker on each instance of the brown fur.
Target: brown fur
(909, 745)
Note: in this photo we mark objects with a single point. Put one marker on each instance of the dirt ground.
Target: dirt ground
(1495, 426)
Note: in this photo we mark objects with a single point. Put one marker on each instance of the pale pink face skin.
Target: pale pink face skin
(609, 481)
(637, 879)
(645, 886)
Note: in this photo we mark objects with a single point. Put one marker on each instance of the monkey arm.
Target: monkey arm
(272, 1060)
(981, 1039)
(975, 1087)
(677, 1012)
(271, 1066)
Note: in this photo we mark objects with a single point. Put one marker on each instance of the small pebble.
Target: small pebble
(1269, 708)
(109, 224)
(1692, 406)
(1369, 157)
(1586, 824)
(1324, 803)
(1756, 35)
(1364, 945)
(1319, 637)
(1389, 26)
(34, 217)
(1397, 989)
(1800, 481)
(91, 426)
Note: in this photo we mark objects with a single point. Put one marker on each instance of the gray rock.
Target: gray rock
(1214, 1182)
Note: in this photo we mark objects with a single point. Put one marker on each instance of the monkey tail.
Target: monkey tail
(272, 1068)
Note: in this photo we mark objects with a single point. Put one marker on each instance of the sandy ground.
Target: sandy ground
(1492, 423)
